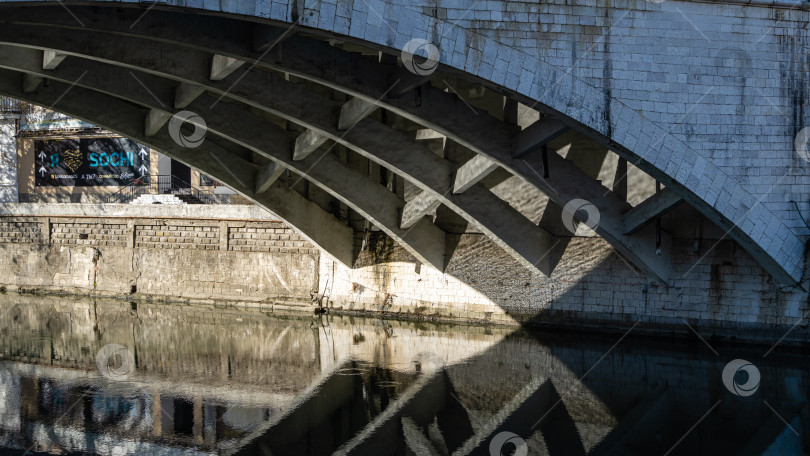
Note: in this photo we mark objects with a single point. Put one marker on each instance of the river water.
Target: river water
(81, 376)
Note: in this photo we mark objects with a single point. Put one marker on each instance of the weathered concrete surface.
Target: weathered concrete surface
(168, 258)
(722, 293)
(9, 193)
(264, 264)
(651, 208)
(238, 254)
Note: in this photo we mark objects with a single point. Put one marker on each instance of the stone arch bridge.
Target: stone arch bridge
(513, 119)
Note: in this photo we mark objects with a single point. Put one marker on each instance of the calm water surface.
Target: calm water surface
(113, 378)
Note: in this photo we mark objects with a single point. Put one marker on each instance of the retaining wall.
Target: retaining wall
(174, 258)
(719, 289)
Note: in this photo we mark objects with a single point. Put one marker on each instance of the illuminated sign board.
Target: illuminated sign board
(89, 162)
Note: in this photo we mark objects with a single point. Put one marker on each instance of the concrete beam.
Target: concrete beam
(637, 425)
(306, 143)
(268, 175)
(416, 440)
(775, 435)
(351, 112)
(222, 66)
(262, 37)
(634, 219)
(417, 208)
(187, 93)
(31, 82)
(420, 402)
(510, 111)
(567, 182)
(427, 134)
(472, 172)
(155, 120)
(620, 179)
(314, 407)
(51, 59)
(537, 404)
(318, 226)
(504, 225)
(535, 135)
(354, 111)
(366, 197)
(403, 82)
(312, 222)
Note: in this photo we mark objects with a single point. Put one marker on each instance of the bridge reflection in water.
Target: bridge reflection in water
(214, 381)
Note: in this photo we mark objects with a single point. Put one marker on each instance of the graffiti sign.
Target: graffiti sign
(89, 162)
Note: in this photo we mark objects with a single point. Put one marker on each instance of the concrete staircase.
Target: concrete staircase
(189, 198)
(149, 198)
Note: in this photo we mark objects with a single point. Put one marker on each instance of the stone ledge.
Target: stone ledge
(192, 211)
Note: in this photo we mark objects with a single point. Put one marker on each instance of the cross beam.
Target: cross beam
(654, 206)
(508, 228)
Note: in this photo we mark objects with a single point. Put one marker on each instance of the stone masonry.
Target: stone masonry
(167, 258)
(265, 263)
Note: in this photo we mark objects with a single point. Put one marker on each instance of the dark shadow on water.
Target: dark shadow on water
(215, 381)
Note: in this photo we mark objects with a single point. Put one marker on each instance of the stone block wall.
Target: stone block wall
(716, 289)
(267, 237)
(13, 231)
(165, 258)
(177, 236)
(98, 233)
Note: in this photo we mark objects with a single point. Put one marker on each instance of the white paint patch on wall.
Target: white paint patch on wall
(8, 159)
(404, 288)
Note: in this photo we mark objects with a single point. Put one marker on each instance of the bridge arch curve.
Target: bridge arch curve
(169, 51)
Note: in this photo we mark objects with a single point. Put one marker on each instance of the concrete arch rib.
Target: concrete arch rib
(625, 130)
(782, 258)
(312, 222)
(504, 225)
(373, 201)
(436, 109)
(639, 249)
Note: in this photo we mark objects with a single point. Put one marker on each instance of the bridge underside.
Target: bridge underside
(339, 139)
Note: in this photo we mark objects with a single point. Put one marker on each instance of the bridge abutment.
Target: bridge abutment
(264, 264)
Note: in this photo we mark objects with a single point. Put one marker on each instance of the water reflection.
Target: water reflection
(206, 380)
